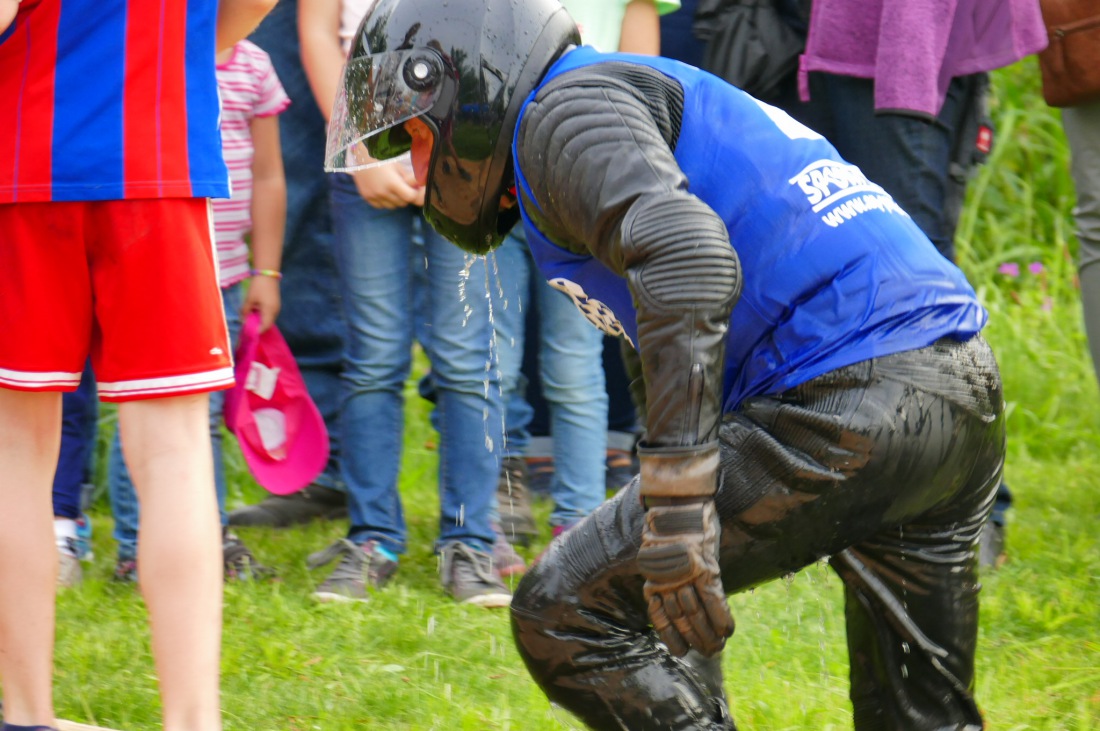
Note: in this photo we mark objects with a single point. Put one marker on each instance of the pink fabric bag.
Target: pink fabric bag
(281, 432)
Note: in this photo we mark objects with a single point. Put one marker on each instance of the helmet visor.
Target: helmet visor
(377, 95)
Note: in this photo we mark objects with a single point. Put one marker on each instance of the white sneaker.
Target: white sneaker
(69, 572)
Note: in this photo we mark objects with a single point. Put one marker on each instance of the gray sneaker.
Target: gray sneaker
(362, 568)
(69, 573)
(469, 577)
(240, 563)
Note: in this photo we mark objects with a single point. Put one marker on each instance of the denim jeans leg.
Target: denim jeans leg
(124, 502)
(908, 155)
(373, 253)
(232, 298)
(311, 319)
(78, 412)
(468, 384)
(509, 277)
(517, 415)
(571, 366)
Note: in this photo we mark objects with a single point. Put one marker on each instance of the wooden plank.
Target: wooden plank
(64, 725)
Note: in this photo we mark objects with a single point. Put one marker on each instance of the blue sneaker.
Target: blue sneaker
(83, 544)
(363, 568)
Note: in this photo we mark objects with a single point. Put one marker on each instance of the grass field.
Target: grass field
(412, 659)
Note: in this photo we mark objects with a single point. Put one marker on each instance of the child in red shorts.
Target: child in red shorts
(106, 249)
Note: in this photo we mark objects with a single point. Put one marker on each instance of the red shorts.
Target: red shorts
(133, 283)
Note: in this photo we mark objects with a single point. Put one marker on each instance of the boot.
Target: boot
(514, 502)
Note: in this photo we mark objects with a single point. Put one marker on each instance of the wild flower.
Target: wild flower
(1009, 269)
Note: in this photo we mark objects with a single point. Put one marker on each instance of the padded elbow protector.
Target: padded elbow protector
(686, 278)
(687, 260)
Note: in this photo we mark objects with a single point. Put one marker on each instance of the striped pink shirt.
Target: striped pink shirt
(249, 88)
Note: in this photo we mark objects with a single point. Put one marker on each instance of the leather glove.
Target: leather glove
(679, 560)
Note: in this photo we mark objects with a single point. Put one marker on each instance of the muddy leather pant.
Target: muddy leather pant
(887, 468)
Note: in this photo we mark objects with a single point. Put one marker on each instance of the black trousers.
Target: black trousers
(887, 468)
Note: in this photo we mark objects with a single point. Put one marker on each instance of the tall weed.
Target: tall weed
(1016, 242)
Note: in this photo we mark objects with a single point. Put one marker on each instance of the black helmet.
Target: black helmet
(464, 67)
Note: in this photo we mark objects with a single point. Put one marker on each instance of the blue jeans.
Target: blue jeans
(311, 319)
(120, 487)
(571, 371)
(377, 257)
(79, 414)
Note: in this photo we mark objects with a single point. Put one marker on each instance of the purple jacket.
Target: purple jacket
(913, 48)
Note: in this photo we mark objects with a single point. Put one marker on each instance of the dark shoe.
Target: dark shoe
(506, 561)
(362, 568)
(239, 562)
(126, 571)
(621, 468)
(281, 511)
(468, 576)
(991, 546)
(540, 474)
(514, 503)
(69, 572)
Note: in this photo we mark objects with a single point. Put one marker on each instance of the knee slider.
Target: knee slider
(686, 249)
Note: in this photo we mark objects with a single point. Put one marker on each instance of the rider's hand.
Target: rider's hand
(679, 560)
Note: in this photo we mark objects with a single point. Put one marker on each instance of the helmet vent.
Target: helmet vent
(422, 73)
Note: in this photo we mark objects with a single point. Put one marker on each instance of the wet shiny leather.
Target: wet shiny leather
(887, 467)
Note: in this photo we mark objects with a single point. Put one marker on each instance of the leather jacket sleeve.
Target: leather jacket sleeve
(596, 149)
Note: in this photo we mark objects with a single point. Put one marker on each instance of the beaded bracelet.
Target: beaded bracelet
(266, 273)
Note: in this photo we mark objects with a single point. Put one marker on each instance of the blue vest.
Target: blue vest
(834, 271)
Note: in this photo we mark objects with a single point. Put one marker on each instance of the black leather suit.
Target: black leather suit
(887, 468)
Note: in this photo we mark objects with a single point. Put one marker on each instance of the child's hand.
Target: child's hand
(263, 297)
(387, 186)
(8, 10)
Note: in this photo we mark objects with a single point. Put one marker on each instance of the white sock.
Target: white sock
(64, 532)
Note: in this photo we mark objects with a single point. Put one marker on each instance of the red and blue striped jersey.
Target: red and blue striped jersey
(110, 99)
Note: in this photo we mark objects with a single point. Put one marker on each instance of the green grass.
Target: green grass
(412, 659)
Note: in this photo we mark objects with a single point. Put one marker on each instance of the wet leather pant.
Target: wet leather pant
(887, 468)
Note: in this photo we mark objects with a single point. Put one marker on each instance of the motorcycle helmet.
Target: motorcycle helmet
(463, 68)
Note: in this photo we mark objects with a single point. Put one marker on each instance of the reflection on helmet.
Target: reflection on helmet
(381, 92)
(389, 143)
(464, 67)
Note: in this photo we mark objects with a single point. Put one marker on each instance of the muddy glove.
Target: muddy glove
(679, 552)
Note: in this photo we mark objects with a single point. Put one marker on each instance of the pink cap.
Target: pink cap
(281, 432)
